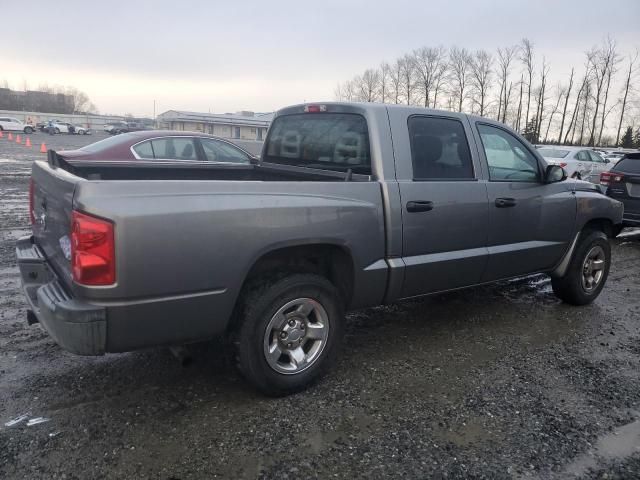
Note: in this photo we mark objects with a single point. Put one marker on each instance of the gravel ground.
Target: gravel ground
(501, 381)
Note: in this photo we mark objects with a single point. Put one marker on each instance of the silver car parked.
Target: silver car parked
(579, 162)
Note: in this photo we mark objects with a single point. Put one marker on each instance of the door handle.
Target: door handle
(419, 206)
(505, 202)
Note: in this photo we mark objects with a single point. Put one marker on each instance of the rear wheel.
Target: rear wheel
(289, 333)
(28, 130)
(57, 130)
(587, 271)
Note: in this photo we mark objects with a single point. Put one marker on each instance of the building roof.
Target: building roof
(257, 120)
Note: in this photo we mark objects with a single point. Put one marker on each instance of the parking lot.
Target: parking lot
(501, 381)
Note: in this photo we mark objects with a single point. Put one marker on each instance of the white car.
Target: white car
(64, 127)
(13, 124)
(579, 162)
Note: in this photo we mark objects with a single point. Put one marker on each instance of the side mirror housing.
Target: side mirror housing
(554, 173)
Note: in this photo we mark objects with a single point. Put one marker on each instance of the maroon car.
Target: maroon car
(160, 146)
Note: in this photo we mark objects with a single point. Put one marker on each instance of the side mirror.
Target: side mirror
(606, 160)
(554, 173)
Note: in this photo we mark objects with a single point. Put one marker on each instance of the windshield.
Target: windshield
(330, 141)
(553, 153)
(107, 142)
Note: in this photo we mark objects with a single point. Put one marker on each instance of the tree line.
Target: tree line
(513, 86)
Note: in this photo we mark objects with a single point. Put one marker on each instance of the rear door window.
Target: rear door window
(216, 151)
(439, 149)
(329, 141)
(144, 150)
(174, 148)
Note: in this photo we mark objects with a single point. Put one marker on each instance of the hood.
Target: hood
(583, 186)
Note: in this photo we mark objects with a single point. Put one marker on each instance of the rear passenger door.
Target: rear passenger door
(530, 222)
(444, 205)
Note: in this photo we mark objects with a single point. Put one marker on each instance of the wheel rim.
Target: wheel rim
(296, 336)
(593, 268)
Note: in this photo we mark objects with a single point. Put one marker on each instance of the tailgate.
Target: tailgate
(53, 190)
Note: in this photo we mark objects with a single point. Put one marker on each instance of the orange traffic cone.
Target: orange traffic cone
(28, 142)
(10, 137)
(18, 139)
(43, 148)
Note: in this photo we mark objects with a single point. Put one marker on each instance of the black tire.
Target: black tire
(570, 288)
(28, 130)
(1, 129)
(57, 130)
(259, 304)
(577, 176)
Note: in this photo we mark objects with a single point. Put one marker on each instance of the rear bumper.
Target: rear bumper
(76, 326)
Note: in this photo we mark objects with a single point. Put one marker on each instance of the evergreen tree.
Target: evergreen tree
(627, 139)
(531, 130)
(637, 139)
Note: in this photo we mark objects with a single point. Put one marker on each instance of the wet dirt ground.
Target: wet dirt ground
(501, 381)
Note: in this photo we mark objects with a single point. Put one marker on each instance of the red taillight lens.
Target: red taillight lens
(563, 164)
(93, 260)
(315, 108)
(607, 178)
(32, 215)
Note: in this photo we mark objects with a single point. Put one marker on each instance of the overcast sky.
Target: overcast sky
(222, 56)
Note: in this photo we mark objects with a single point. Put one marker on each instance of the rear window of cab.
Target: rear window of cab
(328, 141)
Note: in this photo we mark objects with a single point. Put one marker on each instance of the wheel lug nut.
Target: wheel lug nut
(283, 335)
(288, 345)
(292, 323)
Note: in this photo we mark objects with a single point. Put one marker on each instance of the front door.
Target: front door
(530, 222)
(444, 205)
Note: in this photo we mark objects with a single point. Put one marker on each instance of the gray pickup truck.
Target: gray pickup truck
(350, 206)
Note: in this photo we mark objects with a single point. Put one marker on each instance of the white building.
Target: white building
(241, 125)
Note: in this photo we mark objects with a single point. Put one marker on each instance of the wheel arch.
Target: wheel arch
(331, 260)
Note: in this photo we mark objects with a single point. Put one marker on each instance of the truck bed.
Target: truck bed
(186, 238)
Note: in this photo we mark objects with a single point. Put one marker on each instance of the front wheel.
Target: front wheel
(587, 271)
(289, 333)
(57, 130)
(577, 176)
(28, 130)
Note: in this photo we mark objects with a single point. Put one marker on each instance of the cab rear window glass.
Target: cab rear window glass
(329, 141)
(628, 165)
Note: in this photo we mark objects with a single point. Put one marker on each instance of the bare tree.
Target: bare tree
(560, 93)
(481, 79)
(385, 71)
(519, 114)
(460, 66)
(367, 85)
(544, 72)
(630, 73)
(505, 57)
(526, 57)
(427, 64)
(566, 103)
(407, 76)
(601, 60)
(576, 109)
(395, 74)
(441, 78)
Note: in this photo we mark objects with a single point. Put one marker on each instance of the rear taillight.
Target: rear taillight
(93, 260)
(563, 164)
(607, 178)
(32, 213)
